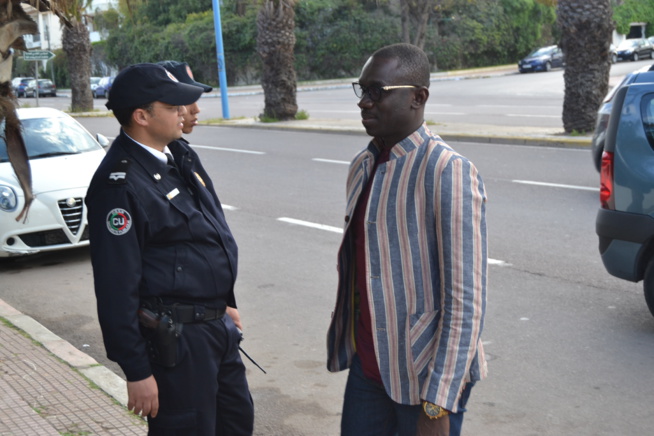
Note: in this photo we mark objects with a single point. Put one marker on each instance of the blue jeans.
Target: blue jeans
(369, 411)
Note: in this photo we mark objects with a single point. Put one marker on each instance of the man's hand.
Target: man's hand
(235, 316)
(433, 427)
(143, 397)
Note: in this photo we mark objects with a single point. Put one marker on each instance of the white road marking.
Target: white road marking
(334, 111)
(311, 225)
(556, 185)
(228, 149)
(533, 116)
(340, 230)
(497, 262)
(445, 113)
(513, 106)
(317, 159)
(228, 207)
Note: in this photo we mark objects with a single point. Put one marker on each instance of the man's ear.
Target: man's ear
(140, 117)
(420, 97)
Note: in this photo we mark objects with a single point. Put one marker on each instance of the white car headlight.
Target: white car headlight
(8, 199)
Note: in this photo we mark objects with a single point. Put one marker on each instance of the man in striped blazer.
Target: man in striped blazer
(412, 264)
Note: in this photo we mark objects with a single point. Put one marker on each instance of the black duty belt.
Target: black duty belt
(184, 313)
(187, 313)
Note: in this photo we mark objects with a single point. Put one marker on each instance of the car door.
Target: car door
(557, 57)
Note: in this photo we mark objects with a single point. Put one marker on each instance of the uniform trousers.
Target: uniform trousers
(206, 393)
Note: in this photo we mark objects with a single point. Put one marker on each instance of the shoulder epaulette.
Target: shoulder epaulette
(118, 175)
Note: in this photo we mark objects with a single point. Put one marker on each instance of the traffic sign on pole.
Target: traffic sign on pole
(38, 55)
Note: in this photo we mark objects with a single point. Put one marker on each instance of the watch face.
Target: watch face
(432, 410)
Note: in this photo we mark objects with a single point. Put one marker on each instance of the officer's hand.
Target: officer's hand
(235, 316)
(143, 397)
(433, 427)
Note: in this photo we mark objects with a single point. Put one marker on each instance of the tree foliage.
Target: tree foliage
(333, 37)
(630, 11)
(490, 32)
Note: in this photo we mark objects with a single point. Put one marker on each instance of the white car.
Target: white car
(63, 157)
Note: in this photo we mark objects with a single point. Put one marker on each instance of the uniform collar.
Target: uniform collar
(161, 156)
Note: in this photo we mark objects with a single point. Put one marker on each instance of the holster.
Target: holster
(162, 335)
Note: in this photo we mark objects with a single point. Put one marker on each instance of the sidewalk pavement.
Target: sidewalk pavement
(51, 388)
(48, 387)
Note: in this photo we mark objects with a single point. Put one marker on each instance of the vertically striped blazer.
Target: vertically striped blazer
(426, 256)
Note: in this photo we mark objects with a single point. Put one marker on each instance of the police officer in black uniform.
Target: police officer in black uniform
(164, 265)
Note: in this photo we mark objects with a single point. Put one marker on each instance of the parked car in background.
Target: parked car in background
(604, 113)
(18, 84)
(43, 87)
(94, 85)
(542, 59)
(625, 220)
(613, 53)
(104, 86)
(635, 49)
(63, 157)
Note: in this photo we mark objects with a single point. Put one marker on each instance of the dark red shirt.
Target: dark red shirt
(364, 341)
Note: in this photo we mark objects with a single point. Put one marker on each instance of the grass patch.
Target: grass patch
(299, 115)
(266, 119)
(220, 120)
(22, 332)
(74, 432)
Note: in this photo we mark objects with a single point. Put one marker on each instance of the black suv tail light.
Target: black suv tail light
(606, 181)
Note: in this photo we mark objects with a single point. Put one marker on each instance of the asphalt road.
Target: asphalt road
(570, 347)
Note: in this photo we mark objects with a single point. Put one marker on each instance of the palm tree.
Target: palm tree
(77, 46)
(586, 27)
(275, 43)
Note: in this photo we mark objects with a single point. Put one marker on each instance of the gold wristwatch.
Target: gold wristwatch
(433, 411)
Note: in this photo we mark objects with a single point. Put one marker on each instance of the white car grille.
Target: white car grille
(71, 211)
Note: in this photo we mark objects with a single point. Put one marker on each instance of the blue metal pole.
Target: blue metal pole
(222, 76)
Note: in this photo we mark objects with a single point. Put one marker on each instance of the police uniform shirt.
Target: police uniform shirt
(155, 231)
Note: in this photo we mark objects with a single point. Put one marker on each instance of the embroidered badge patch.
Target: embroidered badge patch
(117, 176)
(119, 222)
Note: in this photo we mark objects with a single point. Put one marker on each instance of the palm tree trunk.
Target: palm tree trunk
(586, 27)
(275, 44)
(405, 20)
(77, 46)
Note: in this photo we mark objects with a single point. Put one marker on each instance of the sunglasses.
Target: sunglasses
(375, 92)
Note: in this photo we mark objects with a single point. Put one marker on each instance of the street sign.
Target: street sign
(38, 55)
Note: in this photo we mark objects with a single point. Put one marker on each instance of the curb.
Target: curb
(98, 374)
(547, 141)
(561, 141)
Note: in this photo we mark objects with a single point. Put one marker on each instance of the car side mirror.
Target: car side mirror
(103, 141)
